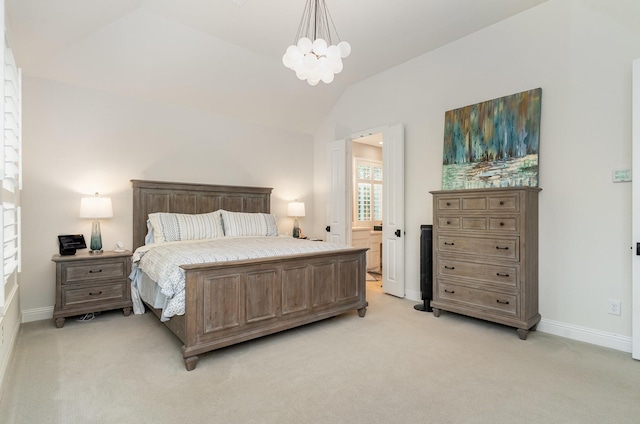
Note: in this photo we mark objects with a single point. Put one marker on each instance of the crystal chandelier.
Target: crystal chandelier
(313, 56)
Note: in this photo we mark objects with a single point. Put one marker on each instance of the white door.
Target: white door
(635, 267)
(339, 205)
(393, 210)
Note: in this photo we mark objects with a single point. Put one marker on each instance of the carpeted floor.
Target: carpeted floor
(396, 365)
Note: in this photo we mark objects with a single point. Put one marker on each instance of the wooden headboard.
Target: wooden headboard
(159, 196)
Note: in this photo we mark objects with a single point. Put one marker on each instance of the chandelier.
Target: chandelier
(314, 57)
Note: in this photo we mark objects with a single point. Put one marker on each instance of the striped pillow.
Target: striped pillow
(248, 224)
(177, 226)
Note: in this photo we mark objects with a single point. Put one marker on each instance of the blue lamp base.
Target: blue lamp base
(96, 239)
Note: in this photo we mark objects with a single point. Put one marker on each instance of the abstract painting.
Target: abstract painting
(493, 143)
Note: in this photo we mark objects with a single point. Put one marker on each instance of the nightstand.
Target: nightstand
(91, 283)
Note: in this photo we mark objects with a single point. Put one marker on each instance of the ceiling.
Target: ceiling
(225, 56)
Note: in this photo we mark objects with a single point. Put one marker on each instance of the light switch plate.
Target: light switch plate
(621, 175)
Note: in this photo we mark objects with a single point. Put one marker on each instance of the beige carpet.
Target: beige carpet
(396, 365)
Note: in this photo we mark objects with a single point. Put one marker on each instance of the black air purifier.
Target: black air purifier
(426, 268)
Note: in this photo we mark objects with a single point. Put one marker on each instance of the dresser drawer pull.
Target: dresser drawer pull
(449, 291)
(502, 302)
(502, 248)
(502, 275)
(446, 243)
(501, 202)
(93, 272)
(95, 294)
(448, 222)
(502, 224)
(449, 267)
(448, 203)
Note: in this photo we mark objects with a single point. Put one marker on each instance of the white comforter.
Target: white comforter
(162, 261)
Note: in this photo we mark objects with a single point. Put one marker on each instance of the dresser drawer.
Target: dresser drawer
(101, 270)
(449, 203)
(449, 222)
(479, 273)
(88, 294)
(503, 248)
(477, 298)
(504, 202)
(474, 223)
(474, 203)
(507, 224)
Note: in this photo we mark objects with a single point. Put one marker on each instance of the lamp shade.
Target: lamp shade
(295, 209)
(96, 207)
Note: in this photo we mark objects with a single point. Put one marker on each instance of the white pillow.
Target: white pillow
(150, 237)
(248, 224)
(177, 226)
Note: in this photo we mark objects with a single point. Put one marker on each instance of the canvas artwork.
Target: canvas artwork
(493, 143)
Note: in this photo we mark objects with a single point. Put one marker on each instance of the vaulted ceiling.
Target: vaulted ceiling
(225, 56)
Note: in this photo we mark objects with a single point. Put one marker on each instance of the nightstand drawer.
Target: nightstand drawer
(95, 293)
(94, 271)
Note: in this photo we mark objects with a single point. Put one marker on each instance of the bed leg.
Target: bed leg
(363, 311)
(191, 363)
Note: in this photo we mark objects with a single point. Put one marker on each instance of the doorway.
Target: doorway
(367, 197)
(392, 217)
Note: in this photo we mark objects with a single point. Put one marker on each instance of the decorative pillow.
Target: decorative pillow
(177, 226)
(150, 237)
(248, 224)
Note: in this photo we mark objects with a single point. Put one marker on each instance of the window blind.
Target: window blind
(10, 169)
(12, 152)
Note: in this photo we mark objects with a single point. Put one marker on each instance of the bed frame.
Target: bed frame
(232, 302)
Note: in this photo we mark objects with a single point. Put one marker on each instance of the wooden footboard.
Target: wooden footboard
(233, 302)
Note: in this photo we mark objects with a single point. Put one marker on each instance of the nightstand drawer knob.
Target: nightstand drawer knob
(93, 272)
(95, 294)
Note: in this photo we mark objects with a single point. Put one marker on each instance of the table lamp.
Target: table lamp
(96, 208)
(296, 210)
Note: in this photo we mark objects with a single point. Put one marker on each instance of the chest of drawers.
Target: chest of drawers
(485, 255)
(91, 283)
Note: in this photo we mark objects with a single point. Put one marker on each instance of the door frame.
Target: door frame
(635, 215)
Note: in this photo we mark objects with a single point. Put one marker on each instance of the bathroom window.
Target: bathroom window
(368, 193)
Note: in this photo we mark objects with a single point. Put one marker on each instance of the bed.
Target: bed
(231, 302)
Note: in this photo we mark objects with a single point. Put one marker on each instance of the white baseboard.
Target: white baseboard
(37, 314)
(570, 331)
(588, 335)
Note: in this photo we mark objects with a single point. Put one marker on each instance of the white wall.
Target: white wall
(78, 141)
(580, 53)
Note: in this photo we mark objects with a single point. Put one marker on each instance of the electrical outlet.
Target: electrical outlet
(614, 307)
